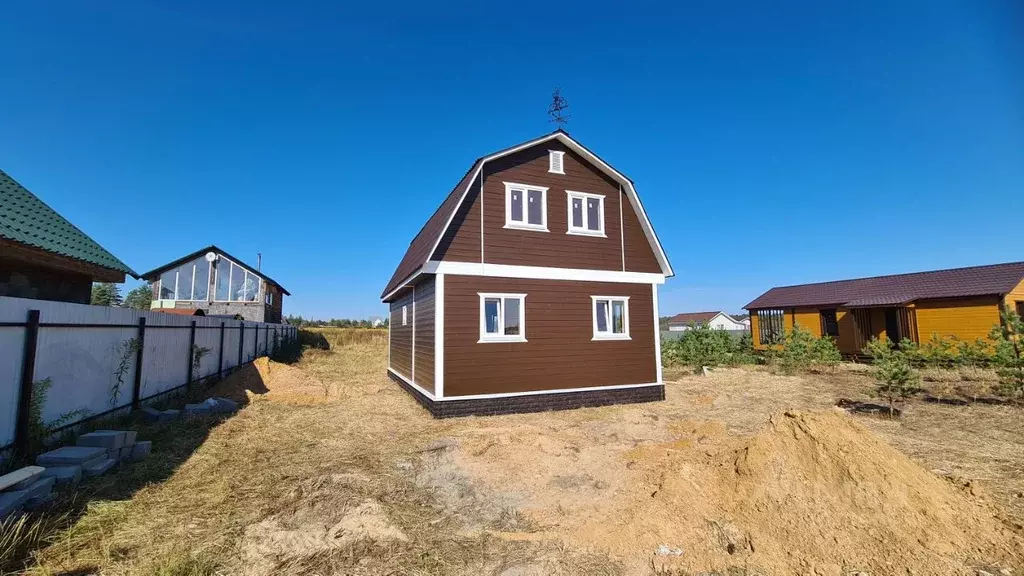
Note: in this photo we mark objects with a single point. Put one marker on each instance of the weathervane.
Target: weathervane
(558, 109)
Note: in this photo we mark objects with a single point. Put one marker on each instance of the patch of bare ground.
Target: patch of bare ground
(333, 469)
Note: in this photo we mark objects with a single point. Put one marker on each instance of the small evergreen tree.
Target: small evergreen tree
(1009, 354)
(105, 294)
(896, 377)
(139, 298)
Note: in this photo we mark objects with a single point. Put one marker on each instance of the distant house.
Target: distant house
(717, 319)
(45, 257)
(376, 321)
(960, 302)
(219, 284)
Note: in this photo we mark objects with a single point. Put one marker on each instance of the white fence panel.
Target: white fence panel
(84, 362)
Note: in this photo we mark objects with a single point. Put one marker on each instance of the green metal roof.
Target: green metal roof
(26, 219)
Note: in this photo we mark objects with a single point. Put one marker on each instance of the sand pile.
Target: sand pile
(266, 377)
(810, 493)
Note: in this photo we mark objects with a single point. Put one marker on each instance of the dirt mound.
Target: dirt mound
(266, 377)
(818, 492)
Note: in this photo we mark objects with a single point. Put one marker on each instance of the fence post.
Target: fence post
(220, 355)
(241, 338)
(266, 339)
(137, 388)
(28, 368)
(191, 353)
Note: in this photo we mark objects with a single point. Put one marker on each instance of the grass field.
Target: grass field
(332, 469)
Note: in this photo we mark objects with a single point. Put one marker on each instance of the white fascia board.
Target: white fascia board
(540, 272)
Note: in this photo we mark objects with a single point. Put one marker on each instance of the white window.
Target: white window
(269, 298)
(526, 207)
(556, 161)
(502, 317)
(405, 315)
(611, 317)
(586, 214)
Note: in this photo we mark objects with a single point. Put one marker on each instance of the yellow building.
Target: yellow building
(960, 302)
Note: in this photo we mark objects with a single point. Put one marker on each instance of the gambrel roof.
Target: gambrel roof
(426, 241)
(897, 289)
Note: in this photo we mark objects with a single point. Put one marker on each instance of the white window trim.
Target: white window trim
(551, 161)
(216, 276)
(484, 336)
(609, 335)
(405, 315)
(268, 298)
(583, 197)
(525, 224)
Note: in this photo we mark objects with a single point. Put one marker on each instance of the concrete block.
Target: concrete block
(70, 475)
(39, 501)
(141, 450)
(99, 467)
(225, 405)
(211, 402)
(11, 502)
(21, 478)
(129, 435)
(196, 410)
(108, 439)
(150, 414)
(41, 486)
(170, 415)
(126, 452)
(70, 455)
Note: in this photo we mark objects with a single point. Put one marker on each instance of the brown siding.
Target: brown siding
(423, 347)
(559, 352)
(639, 254)
(461, 243)
(401, 336)
(24, 280)
(553, 248)
(965, 318)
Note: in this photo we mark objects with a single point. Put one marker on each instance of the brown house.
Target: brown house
(534, 286)
(214, 282)
(45, 257)
(961, 302)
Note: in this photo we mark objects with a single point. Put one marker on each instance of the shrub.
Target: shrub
(895, 375)
(800, 350)
(703, 346)
(1009, 352)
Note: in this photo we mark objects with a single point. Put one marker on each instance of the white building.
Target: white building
(717, 320)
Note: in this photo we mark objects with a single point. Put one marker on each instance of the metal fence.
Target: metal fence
(100, 360)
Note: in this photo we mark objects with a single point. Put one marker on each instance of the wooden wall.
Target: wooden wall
(965, 318)
(401, 336)
(413, 358)
(1015, 295)
(424, 328)
(559, 352)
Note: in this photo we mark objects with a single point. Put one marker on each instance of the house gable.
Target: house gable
(459, 238)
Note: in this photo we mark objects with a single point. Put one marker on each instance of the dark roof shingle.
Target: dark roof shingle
(692, 317)
(897, 289)
(26, 219)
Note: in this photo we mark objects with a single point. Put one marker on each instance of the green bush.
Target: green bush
(895, 375)
(702, 346)
(800, 351)
(1009, 352)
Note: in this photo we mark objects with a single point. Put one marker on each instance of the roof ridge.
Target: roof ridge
(902, 274)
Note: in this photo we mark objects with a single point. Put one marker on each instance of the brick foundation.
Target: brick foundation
(533, 402)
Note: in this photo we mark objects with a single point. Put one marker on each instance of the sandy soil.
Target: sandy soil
(332, 469)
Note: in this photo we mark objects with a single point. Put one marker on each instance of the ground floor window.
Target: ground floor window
(502, 317)
(829, 324)
(611, 317)
(770, 325)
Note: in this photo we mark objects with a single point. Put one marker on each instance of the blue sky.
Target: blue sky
(771, 145)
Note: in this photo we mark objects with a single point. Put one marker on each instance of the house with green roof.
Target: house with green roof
(45, 257)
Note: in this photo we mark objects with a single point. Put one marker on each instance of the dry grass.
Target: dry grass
(335, 452)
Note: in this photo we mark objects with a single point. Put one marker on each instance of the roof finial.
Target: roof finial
(558, 109)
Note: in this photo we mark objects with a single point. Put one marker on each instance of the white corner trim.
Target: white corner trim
(556, 391)
(439, 335)
(408, 381)
(622, 232)
(657, 332)
(540, 272)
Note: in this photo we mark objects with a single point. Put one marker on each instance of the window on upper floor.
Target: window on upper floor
(189, 281)
(526, 207)
(586, 213)
(405, 316)
(556, 162)
(234, 283)
(611, 317)
(502, 317)
(268, 298)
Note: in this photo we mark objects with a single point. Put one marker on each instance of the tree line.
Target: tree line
(109, 294)
(333, 322)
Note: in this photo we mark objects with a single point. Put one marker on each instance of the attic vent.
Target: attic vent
(555, 160)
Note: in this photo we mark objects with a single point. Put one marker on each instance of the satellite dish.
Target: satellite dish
(211, 257)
